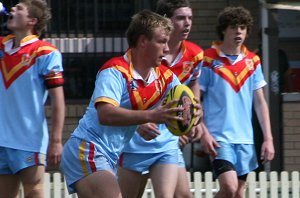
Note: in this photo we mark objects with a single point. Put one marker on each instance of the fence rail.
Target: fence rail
(263, 184)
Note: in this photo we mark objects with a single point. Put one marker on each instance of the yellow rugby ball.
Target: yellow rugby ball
(185, 98)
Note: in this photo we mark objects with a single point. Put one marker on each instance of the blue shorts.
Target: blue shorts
(12, 160)
(142, 162)
(80, 159)
(181, 162)
(242, 156)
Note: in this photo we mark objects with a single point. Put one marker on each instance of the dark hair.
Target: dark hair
(40, 10)
(144, 23)
(167, 7)
(233, 16)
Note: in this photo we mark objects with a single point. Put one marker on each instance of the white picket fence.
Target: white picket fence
(268, 185)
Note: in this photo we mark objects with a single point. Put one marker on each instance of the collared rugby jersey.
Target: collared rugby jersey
(229, 86)
(118, 84)
(26, 74)
(186, 67)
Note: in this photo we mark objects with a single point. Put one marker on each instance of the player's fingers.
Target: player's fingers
(171, 103)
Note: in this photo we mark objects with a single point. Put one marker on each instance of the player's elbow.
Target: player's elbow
(104, 120)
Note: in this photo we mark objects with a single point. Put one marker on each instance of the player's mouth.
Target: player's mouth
(10, 16)
(186, 31)
(238, 39)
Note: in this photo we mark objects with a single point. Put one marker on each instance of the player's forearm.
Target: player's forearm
(117, 116)
(262, 112)
(57, 114)
(194, 86)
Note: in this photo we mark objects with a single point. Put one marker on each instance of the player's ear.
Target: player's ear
(142, 41)
(33, 21)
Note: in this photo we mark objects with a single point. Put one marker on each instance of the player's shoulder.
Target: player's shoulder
(44, 43)
(115, 62)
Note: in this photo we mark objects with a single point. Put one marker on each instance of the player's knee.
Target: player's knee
(33, 190)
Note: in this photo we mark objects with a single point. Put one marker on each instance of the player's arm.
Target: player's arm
(58, 115)
(262, 111)
(110, 114)
(194, 86)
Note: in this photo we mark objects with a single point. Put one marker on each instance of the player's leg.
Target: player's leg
(164, 179)
(225, 170)
(32, 179)
(142, 185)
(228, 185)
(87, 171)
(241, 186)
(182, 189)
(164, 173)
(246, 162)
(98, 184)
(9, 186)
(131, 183)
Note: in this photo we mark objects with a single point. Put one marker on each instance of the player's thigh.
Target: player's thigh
(9, 186)
(182, 189)
(32, 179)
(164, 179)
(130, 182)
(98, 184)
(143, 185)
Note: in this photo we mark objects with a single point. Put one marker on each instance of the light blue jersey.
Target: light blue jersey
(228, 87)
(26, 73)
(117, 83)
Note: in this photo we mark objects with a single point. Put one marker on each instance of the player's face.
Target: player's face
(235, 34)
(157, 47)
(19, 18)
(182, 21)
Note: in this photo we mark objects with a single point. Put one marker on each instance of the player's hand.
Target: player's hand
(208, 143)
(195, 134)
(199, 112)
(166, 113)
(54, 153)
(183, 140)
(267, 151)
(148, 131)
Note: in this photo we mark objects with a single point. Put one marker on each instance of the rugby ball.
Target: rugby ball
(185, 98)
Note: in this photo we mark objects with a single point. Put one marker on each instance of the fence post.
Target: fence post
(273, 184)
(295, 184)
(197, 184)
(208, 185)
(263, 184)
(251, 185)
(284, 180)
(47, 186)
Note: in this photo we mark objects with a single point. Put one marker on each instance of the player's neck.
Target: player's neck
(174, 49)
(230, 48)
(19, 36)
(174, 46)
(140, 65)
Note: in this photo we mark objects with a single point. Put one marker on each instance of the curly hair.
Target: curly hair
(40, 10)
(233, 16)
(167, 7)
(144, 23)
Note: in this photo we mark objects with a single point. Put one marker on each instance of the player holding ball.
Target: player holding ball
(160, 154)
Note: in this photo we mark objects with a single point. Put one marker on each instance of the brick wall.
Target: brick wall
(73, 113)
(291, 136)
